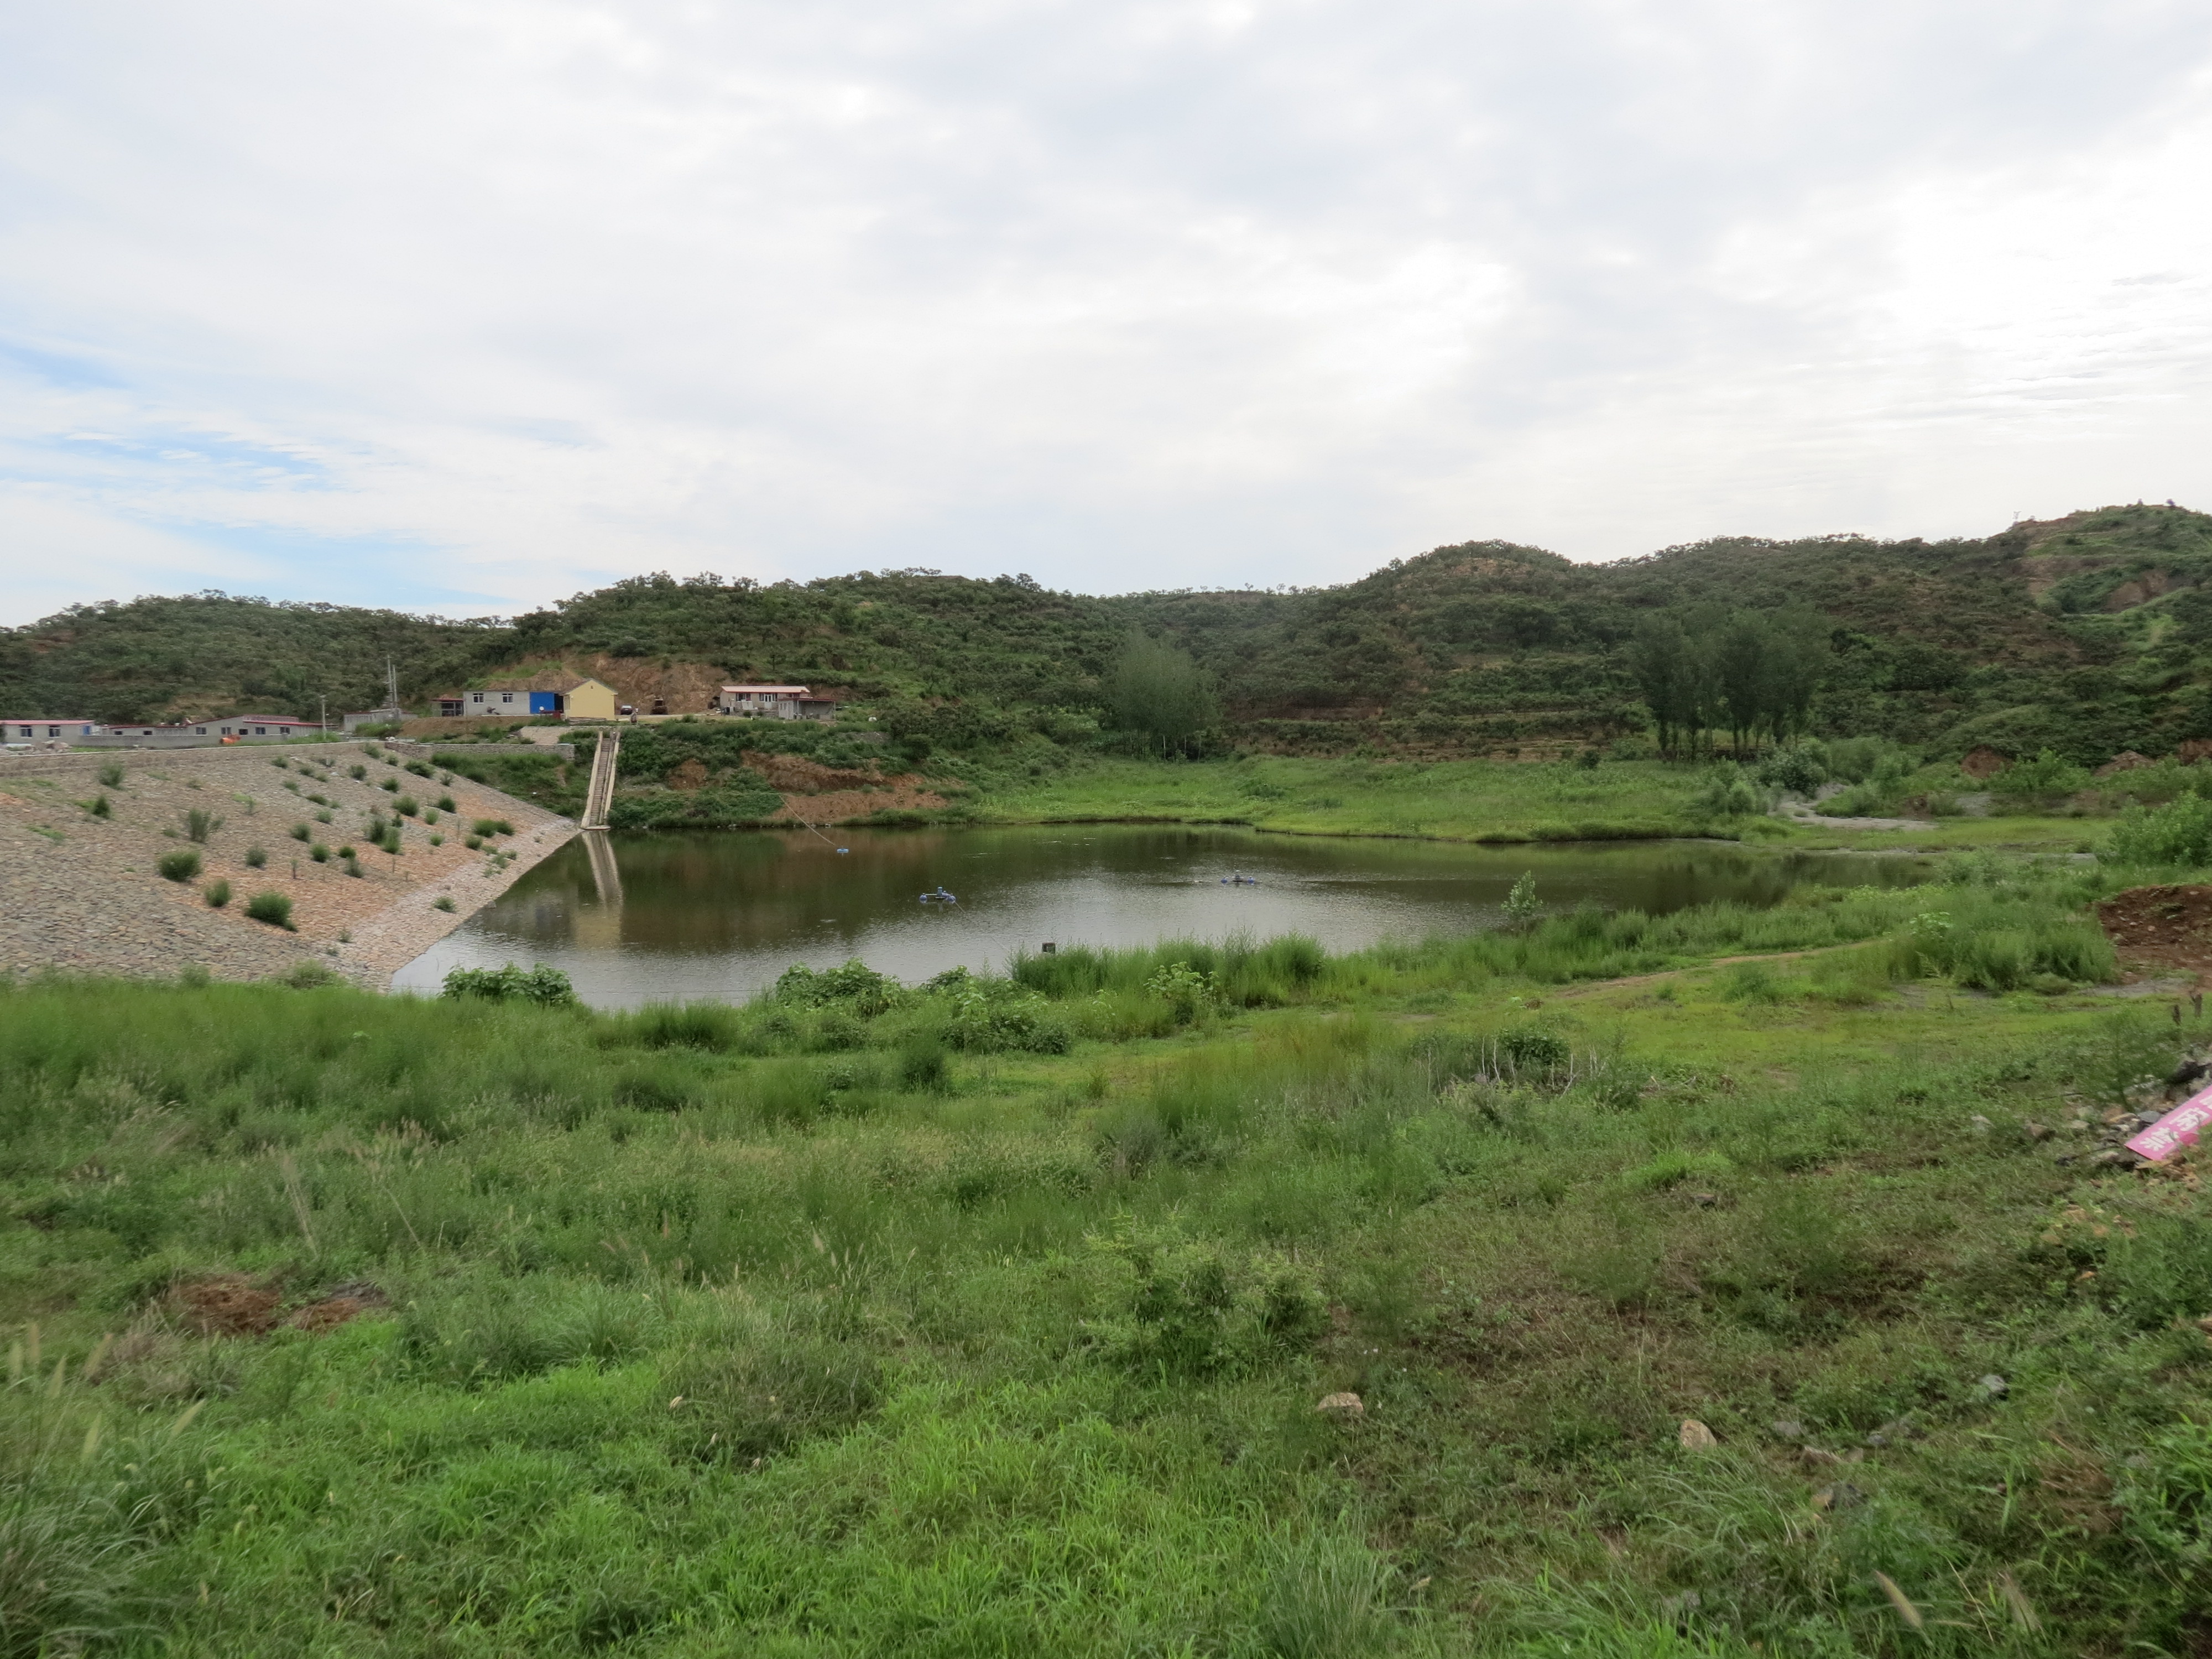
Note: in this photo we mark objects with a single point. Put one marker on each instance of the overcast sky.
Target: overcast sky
(465, 304)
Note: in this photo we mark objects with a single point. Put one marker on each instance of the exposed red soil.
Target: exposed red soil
(815, 794)
(233, 1304)
(2161, 930)
(794, 774)
(852, 805)
(230, 1304)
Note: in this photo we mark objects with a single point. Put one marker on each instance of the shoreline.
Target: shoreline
(403, 929)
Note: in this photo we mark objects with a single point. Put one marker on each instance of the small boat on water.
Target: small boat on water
(1240, 879)
(940, 897)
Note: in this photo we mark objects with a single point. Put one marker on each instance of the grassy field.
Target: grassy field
(1504, 801)
(993, 1316)
(1450, 800)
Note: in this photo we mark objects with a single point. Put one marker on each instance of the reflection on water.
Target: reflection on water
(635, 919)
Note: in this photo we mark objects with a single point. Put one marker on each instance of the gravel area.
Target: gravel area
(81, 893)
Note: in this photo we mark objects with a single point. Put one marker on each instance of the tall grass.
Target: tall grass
(1999, 936)
(700, 1329)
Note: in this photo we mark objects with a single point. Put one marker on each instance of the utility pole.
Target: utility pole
(324, 703)
(390, 685)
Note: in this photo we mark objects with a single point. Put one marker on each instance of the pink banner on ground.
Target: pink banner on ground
(2177, 1129)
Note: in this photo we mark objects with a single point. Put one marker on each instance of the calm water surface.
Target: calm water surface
(653, 918)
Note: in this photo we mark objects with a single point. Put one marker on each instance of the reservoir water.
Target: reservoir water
(648, 918)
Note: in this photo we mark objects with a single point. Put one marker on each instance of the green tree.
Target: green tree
(1740, 667)
(1674, 673)
(1158, 692)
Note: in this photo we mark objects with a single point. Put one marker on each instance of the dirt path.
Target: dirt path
(1798, 813)
(82, 893)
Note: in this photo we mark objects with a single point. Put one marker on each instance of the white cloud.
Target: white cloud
(524, 297)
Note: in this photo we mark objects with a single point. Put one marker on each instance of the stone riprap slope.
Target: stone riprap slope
(82, 893)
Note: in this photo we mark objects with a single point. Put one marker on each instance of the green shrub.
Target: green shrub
(420, 769)
(445, 804)
(320, 854)
(111, 776)
(490, 827)
(991, 1017)
(272, 908)
(1726, 792)
(181, 865)
(300, 832)
(1190, 992)
(1797, 771)
(2047, 774)
(856, 985)
(216, 893)
(391, 784)
(1521, 905)
(257, 857)
(200, 823)
(923, 1064)
(1529, 1048)
(357, 770)
(547, 987)
(444, 903)
(99, 807)
(2177, 833)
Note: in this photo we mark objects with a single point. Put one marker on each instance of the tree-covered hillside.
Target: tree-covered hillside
(2080, 633)
(202, 654)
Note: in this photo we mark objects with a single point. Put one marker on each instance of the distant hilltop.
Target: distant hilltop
(2084, 635)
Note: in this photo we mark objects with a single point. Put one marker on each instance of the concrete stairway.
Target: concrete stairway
(601, 795)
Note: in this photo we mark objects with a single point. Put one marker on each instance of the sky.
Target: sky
(465, 305)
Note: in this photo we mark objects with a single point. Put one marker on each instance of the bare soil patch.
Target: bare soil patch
(815, 794)
(229, 1304)
(234, 1305)
(2161, 931)
(795, 774)
(855, 805)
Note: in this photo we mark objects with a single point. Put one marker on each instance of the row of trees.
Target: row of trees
(1751, 674)
(1158, 693)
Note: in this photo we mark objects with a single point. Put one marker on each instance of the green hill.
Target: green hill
(2080, 633)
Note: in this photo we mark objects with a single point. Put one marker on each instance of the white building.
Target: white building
(24, 729)
(775, 702)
